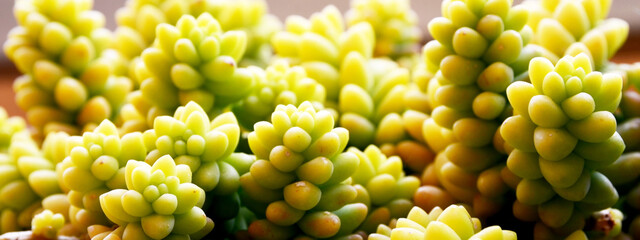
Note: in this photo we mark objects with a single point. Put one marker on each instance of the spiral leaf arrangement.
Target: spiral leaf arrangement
(138, 19)
(94, 164)
(159, 201)
(563, 131)
(298, 182)
(205, 146)
(194, 61)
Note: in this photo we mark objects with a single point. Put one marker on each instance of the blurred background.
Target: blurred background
(628, 10)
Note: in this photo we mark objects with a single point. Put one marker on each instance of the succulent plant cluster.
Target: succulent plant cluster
(209, 119)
